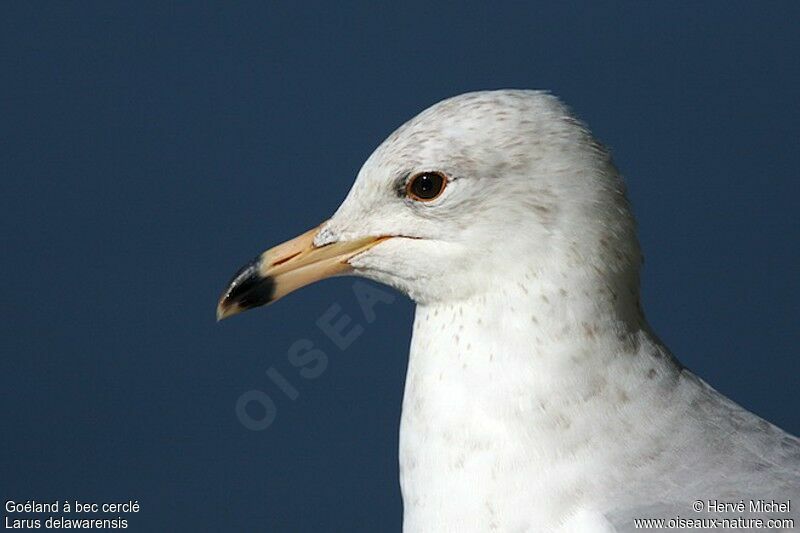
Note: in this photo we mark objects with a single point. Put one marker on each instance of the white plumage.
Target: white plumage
(537, 397)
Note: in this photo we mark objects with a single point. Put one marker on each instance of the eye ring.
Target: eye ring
(426, 186)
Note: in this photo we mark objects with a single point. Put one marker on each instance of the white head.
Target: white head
(525, 188)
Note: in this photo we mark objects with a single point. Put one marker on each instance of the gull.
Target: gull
(537, 396)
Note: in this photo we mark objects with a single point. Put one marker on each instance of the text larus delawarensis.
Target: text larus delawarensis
(537, 397)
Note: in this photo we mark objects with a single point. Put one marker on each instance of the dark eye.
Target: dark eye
(425, 186)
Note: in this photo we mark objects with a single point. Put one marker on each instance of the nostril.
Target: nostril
(287, 258)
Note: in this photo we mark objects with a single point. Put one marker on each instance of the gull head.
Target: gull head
(473, 195)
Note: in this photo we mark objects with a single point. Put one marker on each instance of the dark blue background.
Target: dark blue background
(148, 149)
